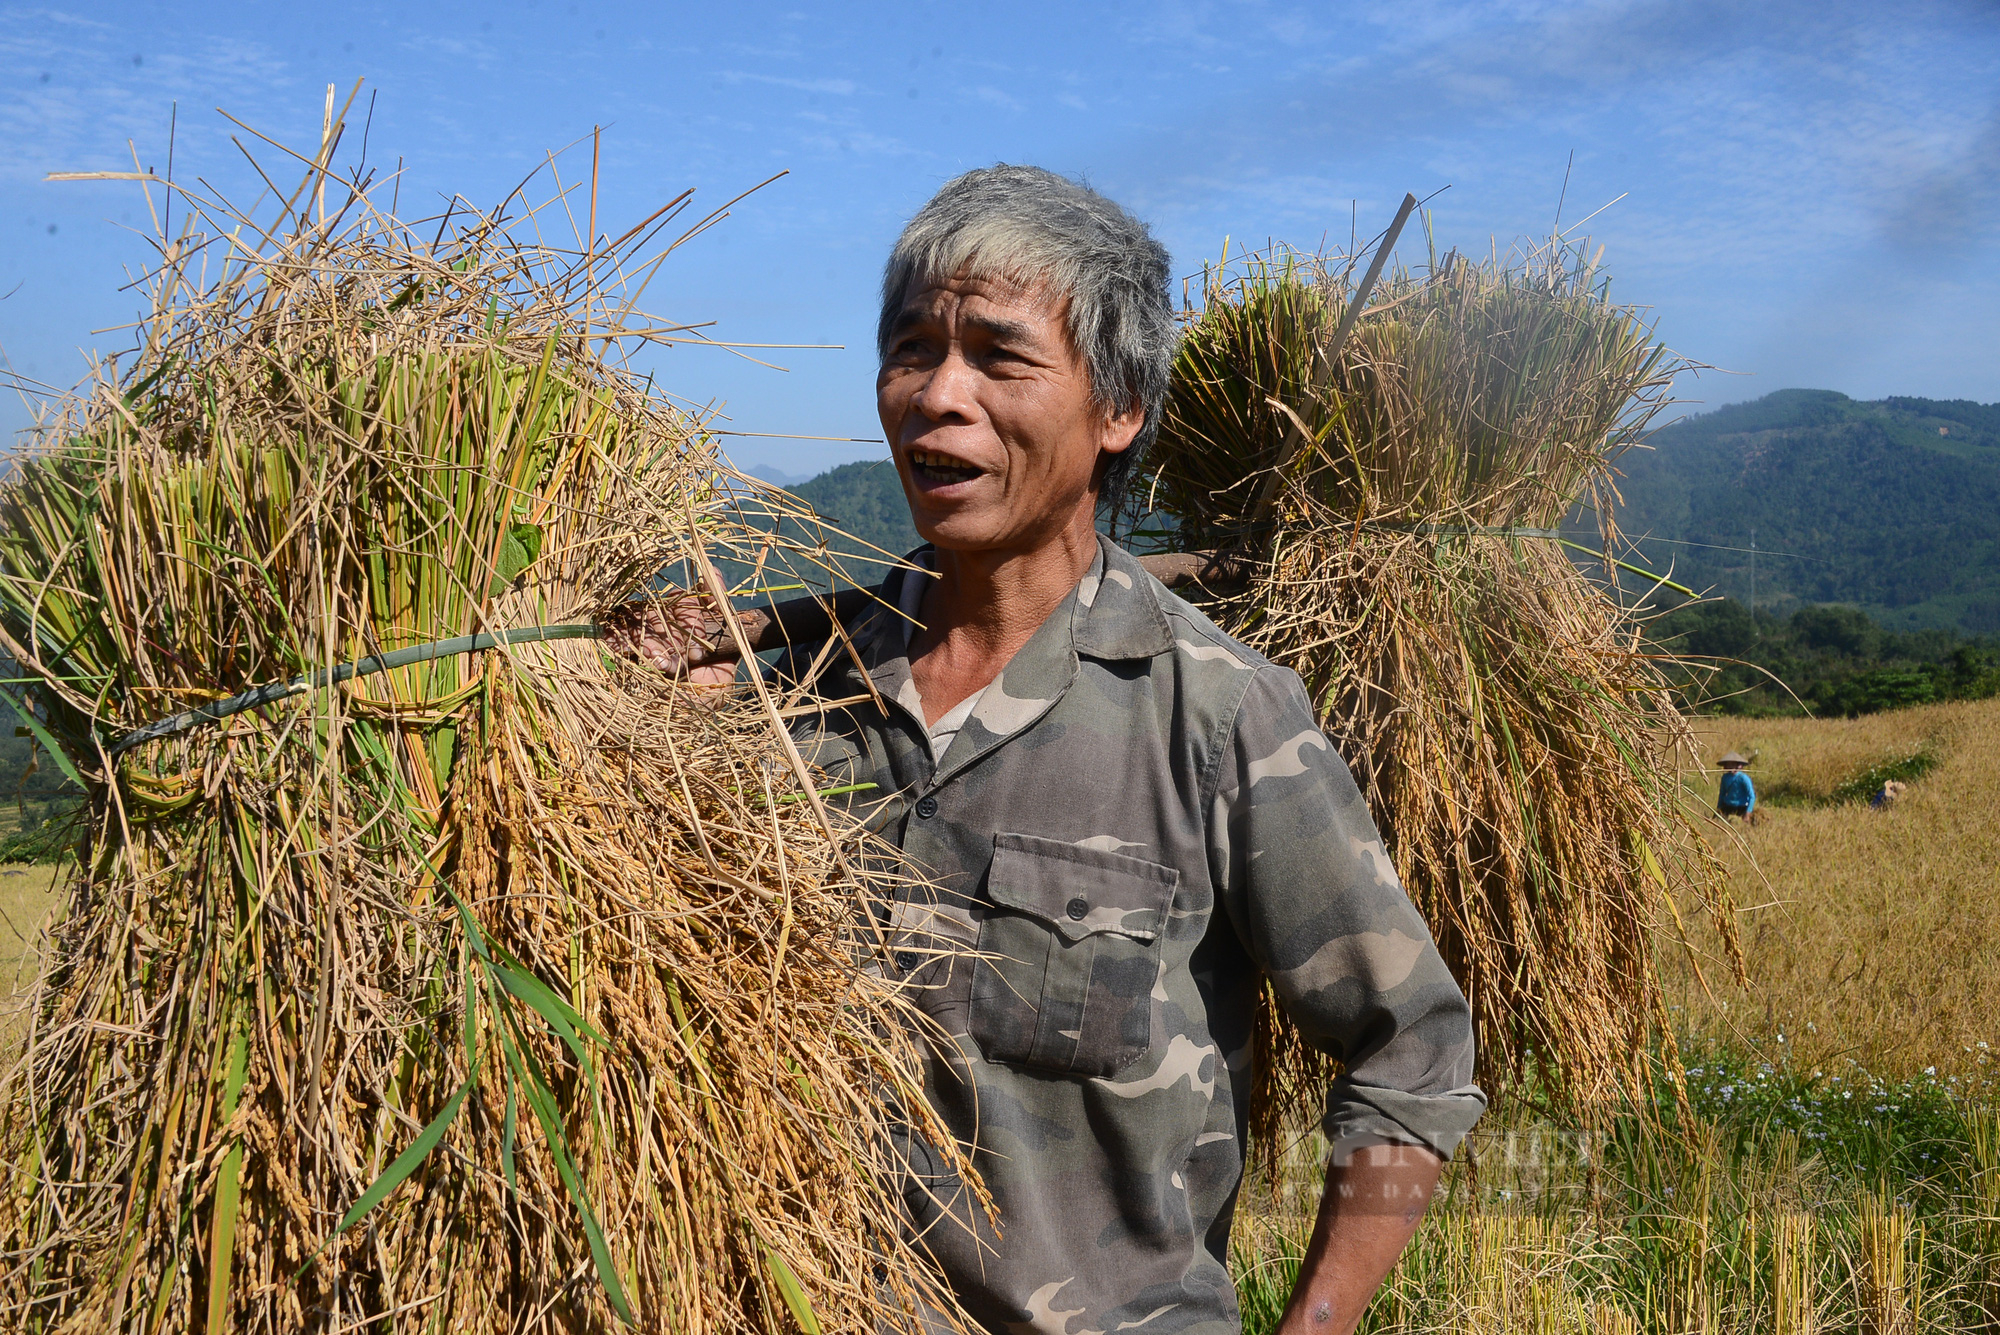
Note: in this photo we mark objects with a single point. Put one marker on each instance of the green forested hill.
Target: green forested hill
(866, 500)
(1892, 506)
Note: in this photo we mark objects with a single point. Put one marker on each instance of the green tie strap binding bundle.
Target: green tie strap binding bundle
(513, 988)
(1519, 751)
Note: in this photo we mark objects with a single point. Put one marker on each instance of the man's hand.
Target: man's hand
(1368, 1214)
(682, 637)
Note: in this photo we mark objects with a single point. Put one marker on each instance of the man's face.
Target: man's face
(988, 411)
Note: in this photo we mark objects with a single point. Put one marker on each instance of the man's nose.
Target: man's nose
(949, 390)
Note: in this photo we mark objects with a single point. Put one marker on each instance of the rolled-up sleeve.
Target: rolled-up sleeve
(1317, 905)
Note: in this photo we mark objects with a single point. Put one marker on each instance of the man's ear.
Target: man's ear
(1121, 429)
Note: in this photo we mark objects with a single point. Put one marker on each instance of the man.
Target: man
(1735, 795)
(1127, 819)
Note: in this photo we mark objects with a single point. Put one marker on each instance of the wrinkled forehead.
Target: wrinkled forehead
(996, 302)
(983, 287)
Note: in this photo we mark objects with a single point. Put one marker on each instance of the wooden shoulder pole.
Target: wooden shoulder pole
(807, 620)
(1295, 438)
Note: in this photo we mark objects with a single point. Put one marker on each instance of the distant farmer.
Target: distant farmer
(1737, 795)
(1131, 819)
(1887, 794)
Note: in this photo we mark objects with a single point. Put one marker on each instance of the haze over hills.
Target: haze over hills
(1892, 506)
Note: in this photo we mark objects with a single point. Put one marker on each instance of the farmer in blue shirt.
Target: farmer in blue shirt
(1738, 796)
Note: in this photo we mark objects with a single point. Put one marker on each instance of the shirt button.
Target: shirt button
(1077, 908)
(926, 807)
(906, 960)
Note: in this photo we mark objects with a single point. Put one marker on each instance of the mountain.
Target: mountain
(777, 477)
(1891, 506)
(866, 500)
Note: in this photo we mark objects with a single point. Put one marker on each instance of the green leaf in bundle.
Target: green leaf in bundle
(508, 1128)
(473, 935)
(518, 551)
(399, 1171)
(567, 1022)
(228, 1188)
(542, 1102)
(442, 746)
(45, 737)
(138, 391)
(522, 984)
(793, 1293)
(471, 1022)
(524, 1076)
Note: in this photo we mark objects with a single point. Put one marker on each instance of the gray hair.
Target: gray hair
(1033, 227)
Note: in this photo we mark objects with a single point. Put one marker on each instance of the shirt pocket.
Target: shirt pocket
(1069, 955)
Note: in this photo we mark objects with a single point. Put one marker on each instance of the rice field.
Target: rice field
(1841, 1167)
(27, 895)
(1869, 934)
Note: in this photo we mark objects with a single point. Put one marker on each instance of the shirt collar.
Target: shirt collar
(1117, 609)
(1113, 613)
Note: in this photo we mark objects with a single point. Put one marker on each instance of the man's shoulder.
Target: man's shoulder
(1253, 700)
(1199, 639)
(1224, 680)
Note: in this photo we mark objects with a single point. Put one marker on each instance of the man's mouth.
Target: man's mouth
(941, 469)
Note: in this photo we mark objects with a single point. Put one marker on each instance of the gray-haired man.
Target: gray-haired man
(1129, 818)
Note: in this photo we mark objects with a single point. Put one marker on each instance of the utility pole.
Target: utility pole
(1753, 585)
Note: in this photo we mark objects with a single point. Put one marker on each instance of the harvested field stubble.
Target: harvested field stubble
(1723, 1224)
(506, 990)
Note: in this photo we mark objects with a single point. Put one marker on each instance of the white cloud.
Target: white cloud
(835, 87)
(96, 96)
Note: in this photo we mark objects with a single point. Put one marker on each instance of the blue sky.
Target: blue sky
(1811, 191)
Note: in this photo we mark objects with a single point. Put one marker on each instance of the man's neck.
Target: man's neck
(984, 606)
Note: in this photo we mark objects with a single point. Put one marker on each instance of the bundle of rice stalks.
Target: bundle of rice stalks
(492, 985)
(1520, 754)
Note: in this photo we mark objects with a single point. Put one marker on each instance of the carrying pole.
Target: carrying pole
(1295, 439)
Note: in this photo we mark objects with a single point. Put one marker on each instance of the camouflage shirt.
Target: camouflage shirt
(1137, 822)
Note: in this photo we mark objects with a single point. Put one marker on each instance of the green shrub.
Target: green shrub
(1862, 1127)
(53, 840)
(1903, 769)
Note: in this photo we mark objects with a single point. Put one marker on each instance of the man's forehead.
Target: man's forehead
(985, 298)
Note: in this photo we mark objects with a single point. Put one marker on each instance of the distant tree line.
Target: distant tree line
(1826, 659)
